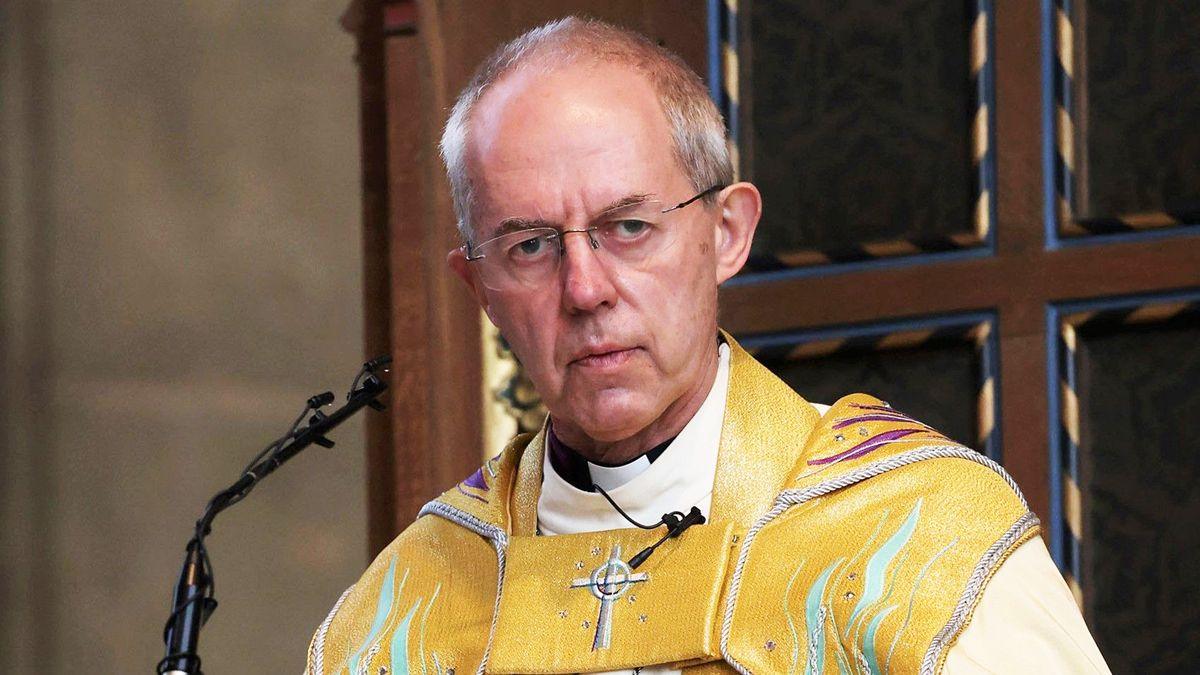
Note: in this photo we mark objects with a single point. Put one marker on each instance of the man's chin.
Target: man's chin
(609, 418)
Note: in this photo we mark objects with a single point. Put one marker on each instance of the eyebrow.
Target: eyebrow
(516, 224)
(628, 200)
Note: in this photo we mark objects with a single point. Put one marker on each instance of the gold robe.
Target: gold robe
(859, 541)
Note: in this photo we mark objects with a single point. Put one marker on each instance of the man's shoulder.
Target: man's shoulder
(861, 437)
(476, 506)
(480, 502)
(433, 578)
(880, 543)
(870, 458)
(445, 559)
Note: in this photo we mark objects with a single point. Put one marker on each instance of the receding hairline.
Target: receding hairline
(485, 101)
(682, 97)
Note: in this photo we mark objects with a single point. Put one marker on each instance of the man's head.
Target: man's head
(558, 126)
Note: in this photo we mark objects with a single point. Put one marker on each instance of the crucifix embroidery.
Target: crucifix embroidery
(608, 583)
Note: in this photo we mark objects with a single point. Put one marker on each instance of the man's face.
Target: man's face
(609, 348)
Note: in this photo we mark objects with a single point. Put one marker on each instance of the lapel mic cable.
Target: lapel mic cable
(676, 522)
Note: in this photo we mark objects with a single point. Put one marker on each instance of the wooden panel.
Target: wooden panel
(859, 123)
(1138, 115)
(377, 323)
(435, 328)
(941, 370)
(1140, 492)
(935, 384)
(1017, 282)
(470, 30)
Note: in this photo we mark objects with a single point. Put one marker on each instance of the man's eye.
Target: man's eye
(532, 247)
(629, 229)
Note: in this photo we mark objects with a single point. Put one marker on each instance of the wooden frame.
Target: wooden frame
(975, 328)
(728, 76)
(413, 308)
(1065, 322)
(1023, 276)
(1062, 57)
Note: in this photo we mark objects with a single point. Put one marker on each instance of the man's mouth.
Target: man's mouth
(604, 358)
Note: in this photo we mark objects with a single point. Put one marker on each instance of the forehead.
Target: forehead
(556, 144)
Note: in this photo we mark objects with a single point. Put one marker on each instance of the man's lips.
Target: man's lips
(607, 356)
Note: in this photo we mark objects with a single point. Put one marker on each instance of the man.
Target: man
(596, 201)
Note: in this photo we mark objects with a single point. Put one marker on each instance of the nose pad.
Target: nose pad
(562, 240)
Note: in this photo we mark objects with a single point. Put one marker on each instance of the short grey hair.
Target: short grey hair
(697, 130)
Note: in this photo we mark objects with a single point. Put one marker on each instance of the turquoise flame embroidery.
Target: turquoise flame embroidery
(398, 649)
(860, 632)
(815, 620)
(385, 617)
(878, 565)
(869, 639)
(912, 599)
(398, 654)
(383, 609)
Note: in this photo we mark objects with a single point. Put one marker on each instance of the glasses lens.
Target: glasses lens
(525, 257)
(634, 234)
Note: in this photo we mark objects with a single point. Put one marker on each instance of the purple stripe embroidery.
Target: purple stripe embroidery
(459, 486)
(868, 445)
(874, 418)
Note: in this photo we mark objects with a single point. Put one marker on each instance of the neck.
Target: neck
(663, 428)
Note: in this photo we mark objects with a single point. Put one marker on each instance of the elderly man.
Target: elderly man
(681, 508)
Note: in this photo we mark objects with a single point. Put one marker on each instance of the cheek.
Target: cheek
(527, 323)
(679, 304)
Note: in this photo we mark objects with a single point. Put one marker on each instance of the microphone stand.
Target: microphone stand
(193, 600)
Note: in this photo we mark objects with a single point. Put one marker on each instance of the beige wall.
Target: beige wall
(179, 268)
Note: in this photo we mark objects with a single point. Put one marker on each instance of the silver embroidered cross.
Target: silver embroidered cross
(608, 583)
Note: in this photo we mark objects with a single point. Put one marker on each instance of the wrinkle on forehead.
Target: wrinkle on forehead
(565, 145)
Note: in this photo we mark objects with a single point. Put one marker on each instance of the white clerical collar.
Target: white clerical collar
(610, 478)
(681, 477)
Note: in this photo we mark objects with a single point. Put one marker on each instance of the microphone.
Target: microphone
(675, 527)
(676, 522)
(367, 374)
(193, 601)
(320, 400)
(377, 363)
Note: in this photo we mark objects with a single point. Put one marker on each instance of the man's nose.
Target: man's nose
(587, 282)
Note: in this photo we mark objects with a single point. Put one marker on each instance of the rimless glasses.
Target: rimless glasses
(631, 236)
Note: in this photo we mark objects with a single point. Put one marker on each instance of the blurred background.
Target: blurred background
(181, 268)
(985, 213)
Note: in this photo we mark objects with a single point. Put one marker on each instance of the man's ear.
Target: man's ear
(741, 206)
(456, 259)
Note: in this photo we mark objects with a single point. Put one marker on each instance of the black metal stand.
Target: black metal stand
(193, 601)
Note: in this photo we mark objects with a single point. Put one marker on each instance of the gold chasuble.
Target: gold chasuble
(855, 542)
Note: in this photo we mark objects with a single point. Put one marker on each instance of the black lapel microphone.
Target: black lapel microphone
(676, 522)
